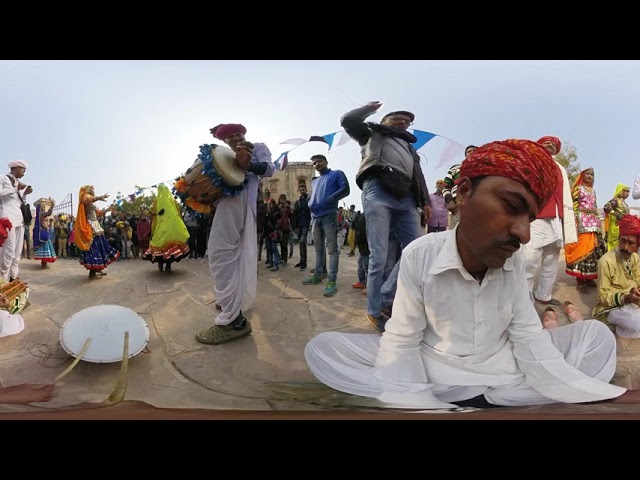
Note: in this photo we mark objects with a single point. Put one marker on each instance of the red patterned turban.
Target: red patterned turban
(629, 225)
(555, 140)
(224, 130)
(524, 161)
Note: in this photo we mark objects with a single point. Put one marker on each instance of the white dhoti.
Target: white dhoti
(10, 253)
(542, 254)
(233, 256)
(346, 362)
(627, 321)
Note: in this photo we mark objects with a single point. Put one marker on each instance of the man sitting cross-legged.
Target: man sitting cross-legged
(619, 281)
(463, 329)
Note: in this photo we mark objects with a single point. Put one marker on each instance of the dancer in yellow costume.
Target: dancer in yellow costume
(169, 234)
(614, 210)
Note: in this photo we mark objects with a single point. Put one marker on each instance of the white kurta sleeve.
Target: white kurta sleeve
(399, 364)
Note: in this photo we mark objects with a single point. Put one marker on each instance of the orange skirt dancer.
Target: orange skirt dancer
(582, 257)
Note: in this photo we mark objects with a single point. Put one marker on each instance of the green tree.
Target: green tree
(568, 158)
(140, 203)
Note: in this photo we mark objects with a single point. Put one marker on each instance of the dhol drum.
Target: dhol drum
(214, 174)
(104, 326)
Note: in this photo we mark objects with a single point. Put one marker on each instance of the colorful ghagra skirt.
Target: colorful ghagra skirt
(100, 255)
(45, 252)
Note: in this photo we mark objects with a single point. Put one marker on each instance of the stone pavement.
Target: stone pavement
(262, 372)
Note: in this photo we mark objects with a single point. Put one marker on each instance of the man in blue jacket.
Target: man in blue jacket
(328, 188)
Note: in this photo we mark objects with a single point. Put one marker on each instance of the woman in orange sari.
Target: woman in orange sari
(582, 256)
(94, 249)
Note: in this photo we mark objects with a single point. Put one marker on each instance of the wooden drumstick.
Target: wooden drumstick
(76, 361)
(120, 388)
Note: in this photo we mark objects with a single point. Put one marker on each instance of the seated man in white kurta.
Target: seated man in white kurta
(463, 327)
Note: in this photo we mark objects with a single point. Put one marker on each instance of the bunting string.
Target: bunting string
(132, 196)
(451, 151)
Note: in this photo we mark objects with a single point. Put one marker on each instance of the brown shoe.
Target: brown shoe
(377, 322)
(219, 334)
(363, 291)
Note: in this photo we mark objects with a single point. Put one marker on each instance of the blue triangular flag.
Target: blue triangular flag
(422, 138)
(329, 138)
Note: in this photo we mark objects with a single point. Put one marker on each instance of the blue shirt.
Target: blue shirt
(328, 189)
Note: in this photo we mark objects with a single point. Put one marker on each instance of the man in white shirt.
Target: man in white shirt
(553, 227)
(10, 188)
(463, 328)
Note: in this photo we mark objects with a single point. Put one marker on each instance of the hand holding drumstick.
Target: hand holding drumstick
(244, 150)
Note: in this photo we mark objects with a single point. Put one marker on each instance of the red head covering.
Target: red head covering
(629, 225)
(5, 226)
(524, 161)
(224, 130)
(555, 140)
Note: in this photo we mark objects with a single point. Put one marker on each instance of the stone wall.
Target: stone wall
(287, 181)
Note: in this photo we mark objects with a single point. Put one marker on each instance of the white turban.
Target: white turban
(18, 163)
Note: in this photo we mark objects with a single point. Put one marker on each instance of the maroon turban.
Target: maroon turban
(224, 130)
(524, 161)
(555, 140)
(629, 225)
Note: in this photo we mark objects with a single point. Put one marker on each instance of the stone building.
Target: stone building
(288, 180)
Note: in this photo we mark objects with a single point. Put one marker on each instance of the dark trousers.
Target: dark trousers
(303, 237)
(193, 237)
(284, 246)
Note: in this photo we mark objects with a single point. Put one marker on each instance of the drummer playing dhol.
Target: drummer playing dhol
(232, 246)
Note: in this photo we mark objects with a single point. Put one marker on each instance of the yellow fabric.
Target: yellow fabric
(120, 226)
(83, 230)
(167, 228)
(351, 239)
(611, 222)
(612, 280)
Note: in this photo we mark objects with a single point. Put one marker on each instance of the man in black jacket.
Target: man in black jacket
(394, 191)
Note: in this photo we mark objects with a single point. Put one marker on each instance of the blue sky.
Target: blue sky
(117, 124)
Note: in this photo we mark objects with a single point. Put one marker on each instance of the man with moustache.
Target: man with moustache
(619, 282)
(463, 329)
(233, 255)
(395, 196)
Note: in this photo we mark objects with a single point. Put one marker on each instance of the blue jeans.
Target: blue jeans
(273, 256)
(363, 267)
(383, 213)
(388, 290)
(326, 228)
